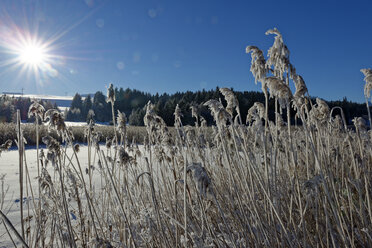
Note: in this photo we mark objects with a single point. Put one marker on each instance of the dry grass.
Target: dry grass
(8, 132)
(313, 189)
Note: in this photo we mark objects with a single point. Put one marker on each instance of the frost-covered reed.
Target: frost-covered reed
(367, 89)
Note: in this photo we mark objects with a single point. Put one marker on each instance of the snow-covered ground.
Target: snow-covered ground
(9, 166)
(9, 171)
(63, 109)
(80, 124)
(45, 97)
(63, 102)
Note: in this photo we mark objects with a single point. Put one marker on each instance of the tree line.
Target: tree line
(132, 102)
(10, 104)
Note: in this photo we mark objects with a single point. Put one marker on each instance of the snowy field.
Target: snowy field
(10, 187)
(80, 124)
(9, 164)
(46, 97)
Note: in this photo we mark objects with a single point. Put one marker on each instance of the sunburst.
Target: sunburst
(35, 52)
(32, 55)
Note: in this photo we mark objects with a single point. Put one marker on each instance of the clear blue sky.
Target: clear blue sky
(174, 45)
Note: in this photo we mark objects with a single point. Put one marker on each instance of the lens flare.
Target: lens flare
(29, 53)
(32, 54)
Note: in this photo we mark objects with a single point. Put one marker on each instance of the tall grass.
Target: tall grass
(261, 184)
(8, 132)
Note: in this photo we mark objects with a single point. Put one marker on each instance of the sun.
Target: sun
(32, 55)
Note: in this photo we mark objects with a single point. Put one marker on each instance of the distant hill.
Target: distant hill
(62, 102)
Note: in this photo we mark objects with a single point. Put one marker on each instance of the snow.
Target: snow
(9, 164)
(80, 124)
(45, 97)
(63, 102)
(9, 168)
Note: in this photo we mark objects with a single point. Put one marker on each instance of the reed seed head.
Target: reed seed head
(111, 94)
(368, 79)
(232, 101)
(258, 63)
(36, 109)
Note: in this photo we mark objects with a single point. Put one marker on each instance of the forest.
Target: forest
(132, 102)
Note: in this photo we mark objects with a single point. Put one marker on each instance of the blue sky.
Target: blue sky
(174, 45)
